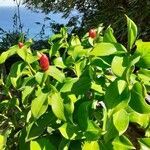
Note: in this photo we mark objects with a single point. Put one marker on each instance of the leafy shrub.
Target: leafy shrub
(93, 89)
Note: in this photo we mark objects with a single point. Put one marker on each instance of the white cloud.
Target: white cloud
(7, 3)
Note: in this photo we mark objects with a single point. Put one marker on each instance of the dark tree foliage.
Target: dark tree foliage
(108, 12)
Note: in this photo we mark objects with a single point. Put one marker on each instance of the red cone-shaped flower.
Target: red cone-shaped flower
(92, 33)
(20, 44)
(44, 62)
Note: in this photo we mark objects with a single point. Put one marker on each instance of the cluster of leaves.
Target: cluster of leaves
(92, 90)
(94, 12)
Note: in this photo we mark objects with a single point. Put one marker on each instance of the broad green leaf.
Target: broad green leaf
(144, 75)
(143, 50)
(39, 105)
(106, 49)
(2, 142)
(79, 67)
(83, 115)
(97, 87)
(117, 95)
(132, 32)
(82, 85)
(18, 69)
(93, 131)
(64, 144)
(70, 132)
(56, 74)
(119, 65)
(26, 55)
(121, 121)
(35, 129)
(41, 77)
(142, 119)
(144, 143)
(93, 145)
(96, 61)
(137, 101)
(42, 144)
(77, 52)
(26, 93)
(8, 53)
(68, 85)
(122, 143)
(57, 105)
(58, 62)
(75, 41)
(108, 36)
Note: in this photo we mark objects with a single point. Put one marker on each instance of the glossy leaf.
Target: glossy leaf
(143, 50)
(144, 75)
(144, 143)
(35, 129)
(121, 121)
(108, 36)
(122, 143)
(70, 131)
(2, 142)
(42, 144)
(106, 49)
(93, 145)
(132, 32)
(8, 53)
(39, 105)
(56, 74)
(137, 101)
(57, 105)
(117, 95)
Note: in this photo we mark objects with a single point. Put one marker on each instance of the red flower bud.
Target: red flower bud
(20, 44)
(44, 62)
(92, 33)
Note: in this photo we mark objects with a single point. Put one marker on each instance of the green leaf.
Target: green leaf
(132, 32)
(18, 69)
(82, 85)
(70, 132)
(64, 144)
(58, 62)
(83, 115)
(106, 49)
(26, 55)
(143, 50)
(35, 129)
(97, 87)
(2, 142)
(119, 65)
(67, 86)
(93, 131)
(121, 121)
(93, 145)
(42, 144)
(144, 143)
(117, 95)
(108, 36)
(144, 75)
(26, 93)
(8, 53)
(141, 119)
(77, 52)
(75, 41)
(122, 143)
(137, 101)
(56, 74)
(39, 105)
(56, 102)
